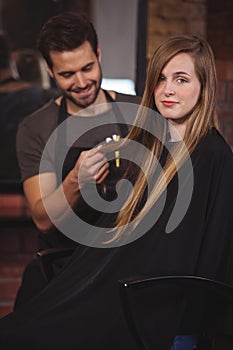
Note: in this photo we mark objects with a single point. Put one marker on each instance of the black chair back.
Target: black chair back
(159, 308)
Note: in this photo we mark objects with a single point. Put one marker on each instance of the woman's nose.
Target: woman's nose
(169, 89)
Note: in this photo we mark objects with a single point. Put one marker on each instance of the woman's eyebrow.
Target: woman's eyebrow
(182, 72)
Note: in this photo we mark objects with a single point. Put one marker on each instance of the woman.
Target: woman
(181, 84)
(81, 307)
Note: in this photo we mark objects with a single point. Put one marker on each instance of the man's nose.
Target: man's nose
(80, 80)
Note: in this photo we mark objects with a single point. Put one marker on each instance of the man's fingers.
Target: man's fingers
(92, 157)
(102, 173)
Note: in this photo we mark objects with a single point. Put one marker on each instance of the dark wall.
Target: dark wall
(22, 19)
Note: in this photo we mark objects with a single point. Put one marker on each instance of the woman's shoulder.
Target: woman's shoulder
(214, 142)
(213, 152)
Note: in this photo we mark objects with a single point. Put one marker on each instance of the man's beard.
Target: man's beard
(84, 103)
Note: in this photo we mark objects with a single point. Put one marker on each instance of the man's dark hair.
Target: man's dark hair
(66, 32)
(5, 51)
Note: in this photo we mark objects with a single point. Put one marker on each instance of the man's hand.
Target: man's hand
(91, 166)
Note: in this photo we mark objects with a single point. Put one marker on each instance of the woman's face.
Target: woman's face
(178, 89)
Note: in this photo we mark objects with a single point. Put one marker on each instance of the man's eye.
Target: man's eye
(67, 75)
(87, 68)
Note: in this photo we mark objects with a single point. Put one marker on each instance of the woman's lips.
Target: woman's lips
(169, 103)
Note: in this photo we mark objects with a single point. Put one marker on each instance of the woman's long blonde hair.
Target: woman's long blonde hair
(201, 119)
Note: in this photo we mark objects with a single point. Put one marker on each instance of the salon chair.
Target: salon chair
(159, 308)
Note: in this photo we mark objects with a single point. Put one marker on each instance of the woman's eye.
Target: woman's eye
(161, 78)
(181, 80)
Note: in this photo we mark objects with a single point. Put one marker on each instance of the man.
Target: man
(18, 99)
(69, 45)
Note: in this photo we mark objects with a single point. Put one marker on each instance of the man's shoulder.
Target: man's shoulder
(122, 97)
(48, 114)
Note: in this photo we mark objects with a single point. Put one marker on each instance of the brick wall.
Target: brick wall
(225, 104)
(220, 29)
(220, 36)
(211, 19)
(18, 242)
(171, 17)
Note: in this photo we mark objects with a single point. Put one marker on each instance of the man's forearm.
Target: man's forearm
(55, 207)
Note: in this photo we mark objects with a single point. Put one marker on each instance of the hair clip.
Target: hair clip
(115, 138)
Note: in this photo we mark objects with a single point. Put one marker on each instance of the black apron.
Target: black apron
(55, 249)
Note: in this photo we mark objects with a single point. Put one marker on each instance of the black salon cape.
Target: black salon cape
(81, 308)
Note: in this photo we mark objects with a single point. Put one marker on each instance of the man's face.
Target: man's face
(78, 74)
